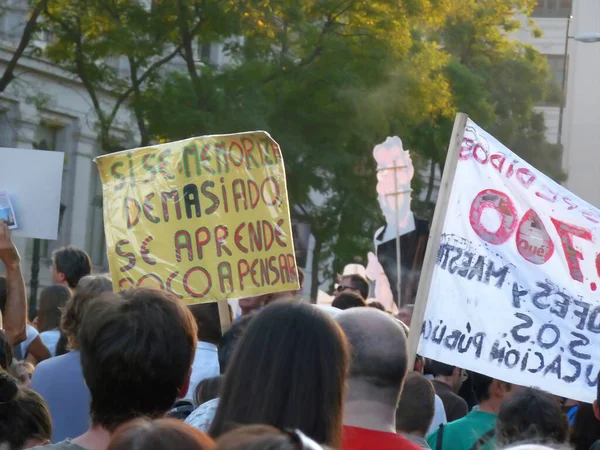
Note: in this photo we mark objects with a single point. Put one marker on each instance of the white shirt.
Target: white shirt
(203, 416)
(206, 365)
(50, 339)
(32, 333)
(439, 416)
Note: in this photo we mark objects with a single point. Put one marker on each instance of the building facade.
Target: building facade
(580, 135)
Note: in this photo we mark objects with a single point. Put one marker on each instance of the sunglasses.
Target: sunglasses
(342, 287)
(302, 441)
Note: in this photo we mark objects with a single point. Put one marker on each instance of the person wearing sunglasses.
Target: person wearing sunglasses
(354, 283)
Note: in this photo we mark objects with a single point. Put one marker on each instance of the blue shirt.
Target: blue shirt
(60, 382)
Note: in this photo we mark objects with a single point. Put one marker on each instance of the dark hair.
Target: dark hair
(3, 293)
(6, 351)
(417, 405)
(377, 305)
(23, 414)
(586, 429)
(531, 416)
(207, 389)
(207, 320)
(62, 346)
(347, 300)
(359, 281)
(89, 287)
(439, 369)
(481, 386)
(230, 340)
(137, 348)
(51, 303)
(73, 262)
(261, 437)
(293, 359)
(161, 434)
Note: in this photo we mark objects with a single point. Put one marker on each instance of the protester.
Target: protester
(531, 416)
(405, 314)
(347, 300)
(203, 416)
(23, 371)
(377, 370)
(161, 434)
(24, 418)
(596, 407)
(439, 413)
(586, 429)
(206, 359)
(137, 349)
(479, 426)
(69, 265)
(265, 437)
(288, 371)
(52, 301)
(377, 305)
(32, 349)
(207, 389)
(60, 380)
(13, 297)
(416, 408)
(6, 352)
(355, 283)
(447, 381)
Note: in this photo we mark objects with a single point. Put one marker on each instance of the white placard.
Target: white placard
(515, 289)
(33, 179)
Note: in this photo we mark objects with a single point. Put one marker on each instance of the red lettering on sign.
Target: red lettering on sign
(572, 255)
(499, 202)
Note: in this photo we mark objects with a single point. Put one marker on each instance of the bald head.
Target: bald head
(378, 345)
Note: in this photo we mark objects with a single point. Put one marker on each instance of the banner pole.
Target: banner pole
(224, 317)
(398, 262)
(435, 235)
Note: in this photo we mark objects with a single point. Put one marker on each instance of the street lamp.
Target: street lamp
(585, 38)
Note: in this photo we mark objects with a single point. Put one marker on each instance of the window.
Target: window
(557, 74)
(553, 8)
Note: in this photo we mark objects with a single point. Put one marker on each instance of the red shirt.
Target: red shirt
(354, 438)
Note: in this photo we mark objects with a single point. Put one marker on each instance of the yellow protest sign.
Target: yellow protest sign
(206, 218)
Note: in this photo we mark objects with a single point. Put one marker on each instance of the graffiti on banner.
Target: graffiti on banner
(206, 218)
(514, 293)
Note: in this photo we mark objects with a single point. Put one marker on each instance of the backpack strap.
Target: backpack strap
(440, 438)
(484, 439)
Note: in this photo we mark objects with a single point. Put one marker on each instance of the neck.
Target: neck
(490, 406)
(96, 438)
(368, 407)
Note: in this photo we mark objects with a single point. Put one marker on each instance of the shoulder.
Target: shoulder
(64, 445)
(202, 417)
(52, 365)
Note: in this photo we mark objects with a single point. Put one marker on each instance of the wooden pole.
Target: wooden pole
(398, 262)
(435, 236)
(224, 317)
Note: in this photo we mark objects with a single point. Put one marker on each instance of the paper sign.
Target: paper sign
(33, 180)
(514, 293)
(7, 213)
(205, 218)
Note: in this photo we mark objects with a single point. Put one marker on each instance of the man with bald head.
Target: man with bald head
(378, 368)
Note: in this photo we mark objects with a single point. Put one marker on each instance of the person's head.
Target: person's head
(377, 305)
(531, 416)
(207, 389)
(586, 429)
(6, 351)
(347, 300)
(356, 284)
(294, 360)
(490, 391)
(249, 304)
(24, 417)
(417, 405)
(137, 348)
(23, 371)
(161, 434)
(52, 301)
(88, 288)
(207, 320)
(451, 375)
(230, 340)
(378, 361)
(405, 314)
(265, 437)
(69, 265)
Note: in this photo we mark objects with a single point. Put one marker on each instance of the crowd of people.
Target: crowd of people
(139, 369)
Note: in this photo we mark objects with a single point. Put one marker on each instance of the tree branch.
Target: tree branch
(28, 31)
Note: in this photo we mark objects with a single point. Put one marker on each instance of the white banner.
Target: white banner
(515, 289)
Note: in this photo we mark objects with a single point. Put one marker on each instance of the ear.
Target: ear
(419, 366)
(185, 386)
(457, 372)
(596, 409)
(62, 277)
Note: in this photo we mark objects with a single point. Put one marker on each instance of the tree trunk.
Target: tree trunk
(314, 279)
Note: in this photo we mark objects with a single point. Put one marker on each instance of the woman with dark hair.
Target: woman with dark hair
(207, 389)
(288, 371)
(161, 434)
(263, 437)
(586, 430)
(24, 417)
(52, 301)
(531, 416)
